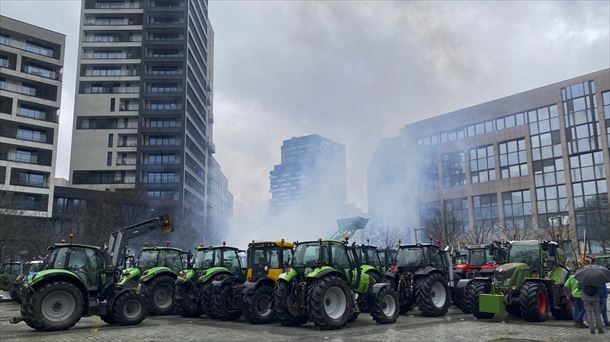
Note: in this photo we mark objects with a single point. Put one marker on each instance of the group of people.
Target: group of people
(588, 303)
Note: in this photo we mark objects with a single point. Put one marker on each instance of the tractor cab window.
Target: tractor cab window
(528, 253)
(148, 259)
(84, 263)
(435, 258)
(476, 257)
(204, 259)
(173, 260)
(410, 257)
(373, 257)
(286, 256)
(231, 261)
(57, 258)
(260, 256)
(339, 255)
(274, 258)
(308, 254)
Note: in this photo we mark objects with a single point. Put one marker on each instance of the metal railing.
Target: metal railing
(32, 70)
(111, 39)
(17, 88)
(31, 113)
(20, 157)
(39, 50)
(117, 5)
(110, 72)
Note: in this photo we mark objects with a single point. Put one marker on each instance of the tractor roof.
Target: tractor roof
(319, 240)
(159, 248)
(278, 243)
(62, 244)
(419, 245)
(203, 248)
(367, 247)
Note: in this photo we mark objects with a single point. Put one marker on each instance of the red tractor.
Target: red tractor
(477, 261)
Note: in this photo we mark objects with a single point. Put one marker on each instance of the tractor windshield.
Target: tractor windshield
(526, 252)
(148, 259)
(56, 259)
(308, 254)
(33, 267)
(204, 259)
(371, 257)
(477, 257)
(264, 256)
(410, 256)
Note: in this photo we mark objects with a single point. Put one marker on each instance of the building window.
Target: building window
(485, 210)
(606, 102)
(164, 87)
(453, 169)
(109, 159)
(162, 123)
(482, 167)
(156, 140)
(159, 159)
(110, 139)
(582, 126)
(545, 133)
(160, 177)
(517, 209)
(160, 193)
(513, 160)
(457, 209)
(31, 135)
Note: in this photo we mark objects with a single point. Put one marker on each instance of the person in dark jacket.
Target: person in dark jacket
(603, 299)
(590, 298)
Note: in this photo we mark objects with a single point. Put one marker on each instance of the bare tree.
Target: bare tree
(511, 232)
(445, 224)
(480, 233)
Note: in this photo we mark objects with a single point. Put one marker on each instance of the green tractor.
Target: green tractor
(529, 285)
(17, 288)
(156, 270)
(421, 276)
(193, 290)
(254, 297)
(79, 280)
(323, 285)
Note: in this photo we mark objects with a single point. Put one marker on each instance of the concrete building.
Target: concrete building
(143, 108)
(310, 180)
(220, 201)
(31, 62)
(533, 164)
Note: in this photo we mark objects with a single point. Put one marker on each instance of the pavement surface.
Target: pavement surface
(455, 326)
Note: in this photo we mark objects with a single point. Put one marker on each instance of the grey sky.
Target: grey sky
(356, 72)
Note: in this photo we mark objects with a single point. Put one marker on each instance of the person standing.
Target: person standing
(590, 298)
(603, 299)
(578, 310)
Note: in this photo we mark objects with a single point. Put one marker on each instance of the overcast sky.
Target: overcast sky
(356, 72)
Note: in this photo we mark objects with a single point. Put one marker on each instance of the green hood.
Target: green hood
(131, 273)
(509, 277)
(208, 273)
(38, 276)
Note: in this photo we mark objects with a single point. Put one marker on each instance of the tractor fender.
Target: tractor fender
(217, 284)
(487, 272)
(251, 286)
(373, 291)
(425, 271)
(211, 272)
(152, 273)
(462, 283)
(391, 275)
(288, 276)
(323, 271)
(46, 276)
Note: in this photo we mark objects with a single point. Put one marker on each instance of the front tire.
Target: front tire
(161, 293)
(258, 306)
(207, 299)
(129, 308)
(471, 296)
(432, 295)
(534, 302)
(282, 302)
(186, 299)
(329, 301)
(56, 305)
(385, 306)
(223, 306)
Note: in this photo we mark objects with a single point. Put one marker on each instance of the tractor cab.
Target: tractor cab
(388, 257)
(411, 258)
(267, 259)
(313, 257)
(172, 258)
(217, 256)
(84, 261)
(12, 268)
(369, 256)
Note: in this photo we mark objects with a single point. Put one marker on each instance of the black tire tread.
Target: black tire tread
(528, 301)
(149, 290)
(218, 303)
(423, 288)
(471, 296)
(116, 313)
(315, 302)
(377, 309)
(188, 307)
(281, 292)
(248, 307)
(33, 317)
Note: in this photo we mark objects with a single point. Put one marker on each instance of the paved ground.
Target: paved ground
(453, 327)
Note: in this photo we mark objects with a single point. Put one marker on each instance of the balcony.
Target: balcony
(110, 72)
(110, 90)
(123, 107)
(116, 5)
(111, 22)
(111, 38)
(37, 71)
(120, 161)
(128, 143)
(29, 47)
(110, 55)
(15, 88)
(35, 180)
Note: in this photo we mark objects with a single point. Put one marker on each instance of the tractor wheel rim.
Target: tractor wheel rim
(132, 308)
(263, 305)
(58, 306)
(163, 296)
(541, 302)
(438, 294)
(335, 302)
(388, 305)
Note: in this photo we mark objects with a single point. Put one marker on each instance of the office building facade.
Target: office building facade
(220, 201)
(143, 108)
(31, 62)
(534, 164)
(310, 178)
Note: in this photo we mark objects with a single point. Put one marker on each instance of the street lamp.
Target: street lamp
(415, 230)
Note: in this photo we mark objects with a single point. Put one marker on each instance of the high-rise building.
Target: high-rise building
(531, 165)
(310, 179)
(31, 61)
(143, 108)
(220, 201)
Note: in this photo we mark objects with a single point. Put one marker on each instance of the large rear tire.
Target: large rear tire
(257, 307)
(207, 299)
(471, 296)
(129, 308)
(282, 302)
(384, 306)
(161, 293)
(457, 297)
(534, 302)
(56, 305)
(223, 307)
(330, 302)
(432, 295)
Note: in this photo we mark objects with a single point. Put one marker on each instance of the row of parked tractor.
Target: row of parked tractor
(326, 281)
